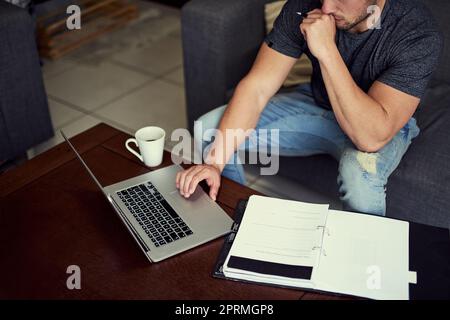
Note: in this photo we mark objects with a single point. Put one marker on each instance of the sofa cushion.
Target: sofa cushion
(420, 187)
(441, 11)
(25, 119)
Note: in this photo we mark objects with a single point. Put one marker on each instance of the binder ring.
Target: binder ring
(325, 229)
(317, 247)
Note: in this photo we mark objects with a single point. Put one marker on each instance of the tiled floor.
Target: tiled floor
(128, 79)
(134, 78)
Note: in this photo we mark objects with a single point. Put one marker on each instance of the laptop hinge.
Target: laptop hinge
(136, 235)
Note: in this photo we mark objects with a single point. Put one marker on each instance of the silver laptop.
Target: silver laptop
(161, 221)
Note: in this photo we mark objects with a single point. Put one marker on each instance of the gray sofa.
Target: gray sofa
(24, 114)
(220, 43)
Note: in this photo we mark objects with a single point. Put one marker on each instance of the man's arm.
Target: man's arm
(370, 119)
(251, 96)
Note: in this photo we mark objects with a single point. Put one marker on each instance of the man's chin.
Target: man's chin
(343, 25)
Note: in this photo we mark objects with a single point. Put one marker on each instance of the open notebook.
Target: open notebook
(302, 245)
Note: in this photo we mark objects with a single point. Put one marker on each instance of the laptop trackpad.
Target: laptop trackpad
(196, 198)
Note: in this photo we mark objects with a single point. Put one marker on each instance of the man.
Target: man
(369, 74)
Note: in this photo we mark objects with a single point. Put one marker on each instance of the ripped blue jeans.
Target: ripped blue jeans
(306, 129)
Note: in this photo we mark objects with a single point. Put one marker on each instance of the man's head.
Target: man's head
(347, 13)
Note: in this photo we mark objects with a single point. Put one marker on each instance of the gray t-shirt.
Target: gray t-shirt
(403, 53)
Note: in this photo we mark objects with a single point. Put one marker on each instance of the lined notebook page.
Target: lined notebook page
(280, 231)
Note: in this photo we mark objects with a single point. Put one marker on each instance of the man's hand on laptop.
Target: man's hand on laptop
(187, 180)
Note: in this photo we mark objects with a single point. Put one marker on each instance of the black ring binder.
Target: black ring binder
(428, 252)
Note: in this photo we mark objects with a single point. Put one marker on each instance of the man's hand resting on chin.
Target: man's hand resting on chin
(187, 180)
(319, 30)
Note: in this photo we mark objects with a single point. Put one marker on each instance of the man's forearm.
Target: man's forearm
(242, 114)
(362, 118)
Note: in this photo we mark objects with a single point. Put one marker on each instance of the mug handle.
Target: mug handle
(131, 140)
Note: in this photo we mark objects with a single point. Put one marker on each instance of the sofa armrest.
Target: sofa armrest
(24, 115)
(220, 43)
(419, 189)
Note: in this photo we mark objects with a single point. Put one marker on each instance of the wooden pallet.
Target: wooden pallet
(97, 18)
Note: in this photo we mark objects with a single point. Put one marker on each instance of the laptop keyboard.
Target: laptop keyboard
(154, 214)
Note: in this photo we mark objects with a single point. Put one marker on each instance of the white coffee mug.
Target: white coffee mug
(150, 141)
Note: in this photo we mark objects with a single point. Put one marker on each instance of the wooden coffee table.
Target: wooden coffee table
(52, 216)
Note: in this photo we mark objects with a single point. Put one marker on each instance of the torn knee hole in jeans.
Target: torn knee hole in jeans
(367, 161)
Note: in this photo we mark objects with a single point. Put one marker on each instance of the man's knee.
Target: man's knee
(360, 185)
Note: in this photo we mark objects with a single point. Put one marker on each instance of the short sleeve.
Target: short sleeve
(285, 36)
(412, 63)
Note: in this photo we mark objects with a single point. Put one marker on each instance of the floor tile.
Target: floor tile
(62, 114)
(155, 22)
(89, 87)
(158, 20)
(158, 103)
(80, 125)
(156, 58)
(164, 9)
(72, 129)
(52, 68)
(177, 32)
(176, 76)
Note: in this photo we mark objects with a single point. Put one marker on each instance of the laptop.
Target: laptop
(162, 222)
